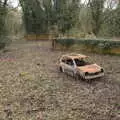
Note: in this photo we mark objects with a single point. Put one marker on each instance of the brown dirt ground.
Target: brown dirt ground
(31, 85)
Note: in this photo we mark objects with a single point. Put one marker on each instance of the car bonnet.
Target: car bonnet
(90, 68)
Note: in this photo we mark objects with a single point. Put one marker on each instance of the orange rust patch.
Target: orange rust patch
(90, 68)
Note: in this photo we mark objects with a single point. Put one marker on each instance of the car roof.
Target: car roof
(74, 56)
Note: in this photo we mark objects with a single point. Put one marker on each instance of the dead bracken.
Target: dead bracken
(28, 89)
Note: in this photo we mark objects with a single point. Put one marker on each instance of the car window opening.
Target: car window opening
(69, 62)
(63, 60)
(81, 62)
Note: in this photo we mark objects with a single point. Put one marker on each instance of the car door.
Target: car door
(69, 67)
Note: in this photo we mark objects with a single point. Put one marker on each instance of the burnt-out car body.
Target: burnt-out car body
(79, 66)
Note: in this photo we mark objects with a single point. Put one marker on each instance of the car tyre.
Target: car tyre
(89, 81)
(77, 77)
(61, 69)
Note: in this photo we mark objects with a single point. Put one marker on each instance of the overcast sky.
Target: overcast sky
(15, 3)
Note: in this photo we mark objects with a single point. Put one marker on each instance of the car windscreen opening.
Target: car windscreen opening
(81, 62)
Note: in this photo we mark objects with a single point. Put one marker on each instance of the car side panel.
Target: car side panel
(68, 69)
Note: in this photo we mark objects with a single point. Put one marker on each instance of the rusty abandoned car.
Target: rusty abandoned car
(80, 67)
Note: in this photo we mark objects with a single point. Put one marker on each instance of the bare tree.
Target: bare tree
(111, 4)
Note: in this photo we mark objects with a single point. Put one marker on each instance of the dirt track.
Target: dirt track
(30, 84)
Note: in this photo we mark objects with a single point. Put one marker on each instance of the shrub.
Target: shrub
(4, 41)
(104, 46)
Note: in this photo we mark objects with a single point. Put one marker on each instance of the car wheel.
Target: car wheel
(89, 81)
(77, 77)
(61, 69)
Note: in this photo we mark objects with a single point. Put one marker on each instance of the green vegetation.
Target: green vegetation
(76, 18)
(99, 18)
(3, 11)
(10, 22)
(94, 45)
(40, 16)
(111, 24)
